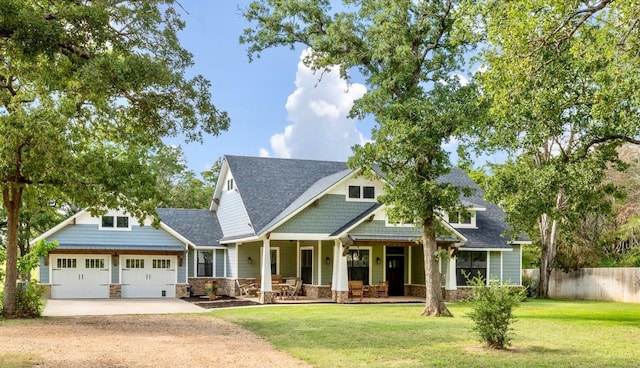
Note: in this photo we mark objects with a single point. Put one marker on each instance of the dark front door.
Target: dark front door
(306, 266)
(395, 275)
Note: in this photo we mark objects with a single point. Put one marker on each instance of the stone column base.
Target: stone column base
(266, 297)
(342, 297)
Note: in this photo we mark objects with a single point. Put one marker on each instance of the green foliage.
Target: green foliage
(30, 261)
(89, 91)
(178, 186)
(530, 255)
(561, 79)
(530, 285)
(492, 311)
(407, 52)
(29, 302)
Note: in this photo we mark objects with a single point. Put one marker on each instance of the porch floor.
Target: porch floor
(310, 300)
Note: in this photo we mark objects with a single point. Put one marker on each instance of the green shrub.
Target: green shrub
(492, 311)
(530, 285)
(29, 303)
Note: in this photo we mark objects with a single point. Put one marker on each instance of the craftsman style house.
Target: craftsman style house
(318, 221)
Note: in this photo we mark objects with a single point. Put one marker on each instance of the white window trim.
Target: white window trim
(361, 199)
(472, 225)
(213, 265)
(115, 224)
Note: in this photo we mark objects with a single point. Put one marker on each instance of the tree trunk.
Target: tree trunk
(435, 306)
(12, 197)
(549, 245)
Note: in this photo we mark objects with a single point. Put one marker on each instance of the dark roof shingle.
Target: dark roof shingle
(201, 227)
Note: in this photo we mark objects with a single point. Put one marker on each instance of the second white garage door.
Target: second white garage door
(148, 276)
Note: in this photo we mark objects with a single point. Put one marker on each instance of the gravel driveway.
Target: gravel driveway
(134, 341)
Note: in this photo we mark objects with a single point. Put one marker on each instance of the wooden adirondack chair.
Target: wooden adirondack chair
(356, 289)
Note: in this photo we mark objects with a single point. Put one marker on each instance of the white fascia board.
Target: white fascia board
(219, 185)
(305, 205)
(452, 229)
(57, 228)
(176, 235)
(208, 247)
(477, 209)
(298, 236)
(521, 242)
(248, 239)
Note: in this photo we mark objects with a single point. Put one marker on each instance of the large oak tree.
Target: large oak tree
(87, 91)
(562, 79)
(406, 51)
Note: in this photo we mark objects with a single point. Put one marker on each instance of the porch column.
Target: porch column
(342, 277)
(450, 279)
(266, 292)
(334, 272)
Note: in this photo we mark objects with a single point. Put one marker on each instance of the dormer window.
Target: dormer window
(115, 223)
(462, 219)
(361, 192)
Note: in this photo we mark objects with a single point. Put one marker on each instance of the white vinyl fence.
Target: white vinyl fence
(613, 284)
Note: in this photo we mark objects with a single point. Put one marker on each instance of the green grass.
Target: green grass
(546, 334)
(18, 360)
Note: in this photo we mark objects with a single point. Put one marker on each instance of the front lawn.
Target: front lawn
(547, 334)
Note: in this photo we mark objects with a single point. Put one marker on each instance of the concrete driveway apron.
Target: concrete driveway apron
(103, 307)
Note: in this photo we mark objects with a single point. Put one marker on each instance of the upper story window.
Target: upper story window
(361, 192)
(115, 223)
(462, 219)
(230, 184)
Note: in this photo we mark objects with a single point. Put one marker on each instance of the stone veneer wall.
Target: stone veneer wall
(317, 291)
(182, 290)
(115, 291)
(462, 293)
(225, 286)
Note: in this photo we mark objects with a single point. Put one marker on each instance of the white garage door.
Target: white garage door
(148, 276)
(79, 276)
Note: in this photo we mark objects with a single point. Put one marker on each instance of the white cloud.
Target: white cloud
(264, 153)
(317, 111)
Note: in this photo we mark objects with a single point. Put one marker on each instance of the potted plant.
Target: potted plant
(211, 288)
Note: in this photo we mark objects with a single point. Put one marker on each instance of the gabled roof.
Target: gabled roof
(490, 223)
(272, 188)
(200, 227)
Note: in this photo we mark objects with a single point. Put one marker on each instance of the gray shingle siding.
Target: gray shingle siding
(220, 259)
(494, 265)
(380, 227)
(82, 234)
(182, 272)
(512, 266)
(233, 217)
(192, 265)
(331, 213)
(43, 272)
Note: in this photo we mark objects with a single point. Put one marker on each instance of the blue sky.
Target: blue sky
(276, 105)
